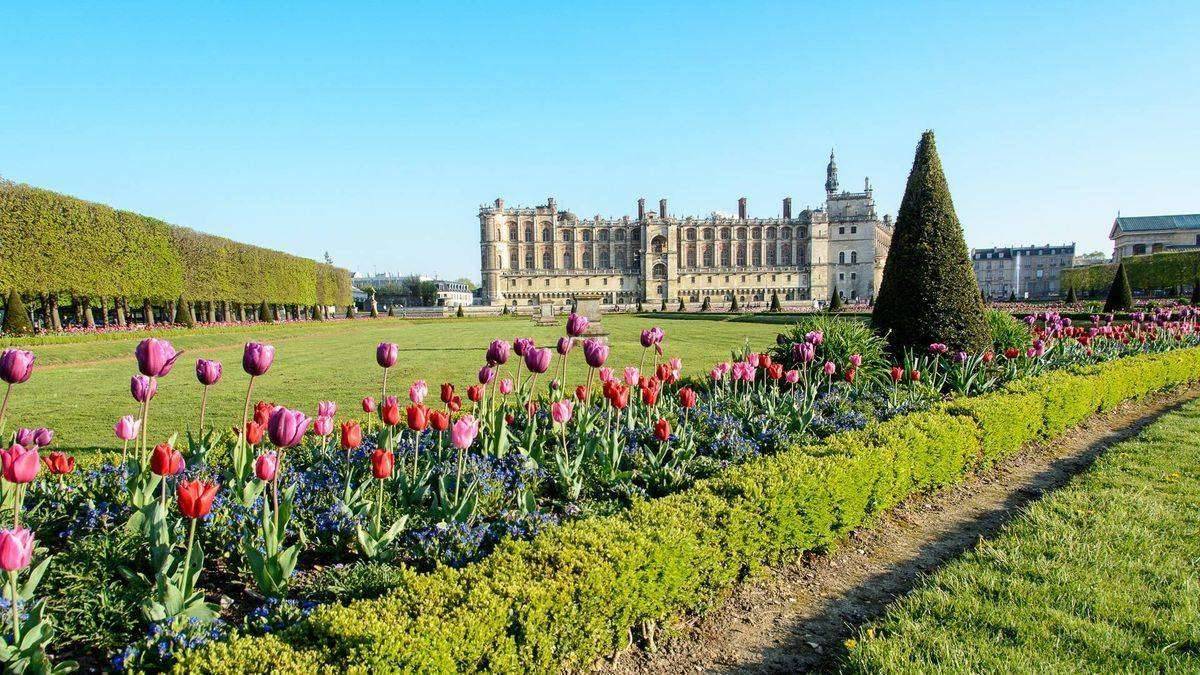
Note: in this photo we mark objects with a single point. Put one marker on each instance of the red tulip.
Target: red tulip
(775, 371)
(475, 393)
(351, 435)
(254, 432)
(447, 392)
(195, 497)
(662, 430)
(650, 393)
(988, 356)
(850, 373)
(581, 393)
(897, 373)
(262, 412)
(1011, 353)
(418, 417)
(439, 420)
(687, 397)
(391, 411)
(59, 463)
(454, 404)
(915, 375)
(166, 461)
(382, 462)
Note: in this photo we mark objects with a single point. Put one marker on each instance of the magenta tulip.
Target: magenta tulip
(208, 372)
(537, 360)
(266, 466)
(386, 354)
(323, 426)
(576, 324)
(522, 345)
(564, 345)
(560, 411)
(20, 464)
(16, 365)
(486, 375)
(43, 437)
(155, 357)
(326, 409)
(829, 368)
(16, 548)
(463, 432)
(257, 358)
(287, 427)
(595, 352)
(497, 353)
(127, 428)
(143, 388)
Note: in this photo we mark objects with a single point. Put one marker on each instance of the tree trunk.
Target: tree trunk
(85, 306)
(191, 310)
(212, 311)
(103, 311)
(148, 310)
(120, 306)
(55, 318)
(171, 315)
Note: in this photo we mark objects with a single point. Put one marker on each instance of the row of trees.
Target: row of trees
(1157, 271)
(61, 251)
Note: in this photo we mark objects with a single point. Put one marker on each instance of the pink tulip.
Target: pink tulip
(561, 411)
(127, 428)
(632, 376)
(417, 392)
(386, 354)
(16, 365)
(506, 386)
(676, 365)
(752, 359)
(829, 368)
(16, 548)
(326, 409)
(20, 464)
(287, 427)
(792, 376)
(266, 466)
(606, 374)
(855, 360)
(323, 426)
(716, 374)
(368, 404)
(463, 432)
(143, 388)
(155, 357)
(208, 372)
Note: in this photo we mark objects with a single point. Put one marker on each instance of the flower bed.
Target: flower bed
(515, 526)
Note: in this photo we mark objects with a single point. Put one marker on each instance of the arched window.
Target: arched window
(547, 260)
(756, 233)
(566, 235)
(785, 233)
(708, 234)
(514, 261)
(770, 233)
(604, 258)
(529, 233)
(841, 257)
(603, 235)
(708, 255)
(546, 234)
(725, 255)
(853, 257)
(620, 234)
(568, 260)
(587, 259)
(529, 259)
(658, 244)
(771, 253)
(691, 234)
(660, 271)
(620, 257)
(587, 235)
(756, 254)
(635, 235)
(741, 233)
(725, 233)
(787, 253)
(512, 231)
(691, 255)
(741, 253)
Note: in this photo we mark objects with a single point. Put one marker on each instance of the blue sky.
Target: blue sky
(375, 130)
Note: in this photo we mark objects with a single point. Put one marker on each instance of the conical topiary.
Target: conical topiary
(929, 293)
(663, 308)
(264, 313)
(183, 313)
(391, 310)
(1120, 296)
(639, 307)
(1012, 296)
(835, 302)
(16, 319)
(459, 312)
(733, 304)
(1071, 298)
(681, 305)
(775, 305)
(706, 305)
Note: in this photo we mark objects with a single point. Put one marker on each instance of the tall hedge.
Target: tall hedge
(1146, 272)
(54, 243)
(929, 293)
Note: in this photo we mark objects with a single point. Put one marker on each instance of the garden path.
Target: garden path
(798, 617)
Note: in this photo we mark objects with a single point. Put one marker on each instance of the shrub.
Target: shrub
(835, 302)
(706, 305)
(733, 304)
(1071, 297)
(775, 306)
(681, 305)
(928, 293)
(1006, 331)
(1145, 272)
(1196, 292)
(1120, 296)
(842, 337)
(16, 317)
(580, 590)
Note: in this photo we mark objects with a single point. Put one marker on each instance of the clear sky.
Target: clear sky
(375, 130)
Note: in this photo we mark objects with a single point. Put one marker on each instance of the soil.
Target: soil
(797, 617)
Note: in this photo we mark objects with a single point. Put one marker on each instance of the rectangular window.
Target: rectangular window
(841, 230)
(853, 229)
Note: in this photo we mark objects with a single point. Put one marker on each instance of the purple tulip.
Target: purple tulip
(386, 354)
(652, 336)
(257, 358)
(538, 360)
(24, 437)
(522, 345)
(595, 352)
(208, 372)
(486, 375)
(576, 324)
(43, 437)
(287, 427)
(326, 408)
(497, 353)
(564, 345)
(143, 388)
(16, 365)
(155, 357)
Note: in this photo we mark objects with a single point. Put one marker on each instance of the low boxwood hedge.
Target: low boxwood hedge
(580, 591)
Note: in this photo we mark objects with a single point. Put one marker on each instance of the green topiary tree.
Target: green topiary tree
(391, 310)
(1012, 296)
(264, 312)
(663, 308)
(183, 313)
(929, 293)
(681, 305)
(639, 307)
(459, 312)
(16, 319)
(835, 302)
(775, 305)
(706, 305)
(733, 304)
(504, 311)
(1120, 296)
(1071, 298)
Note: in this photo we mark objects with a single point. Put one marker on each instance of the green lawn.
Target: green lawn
(79, 389)
(1101, 576)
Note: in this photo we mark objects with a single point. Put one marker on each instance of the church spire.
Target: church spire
(831, 181)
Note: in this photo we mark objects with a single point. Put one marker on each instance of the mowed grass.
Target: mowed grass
(79, 389)
(1101, 576)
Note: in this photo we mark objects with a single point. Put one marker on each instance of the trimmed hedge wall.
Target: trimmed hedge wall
(53, 243)
(578, 591)
(1146, 272)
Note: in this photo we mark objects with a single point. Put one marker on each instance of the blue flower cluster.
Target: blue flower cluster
(155, 651)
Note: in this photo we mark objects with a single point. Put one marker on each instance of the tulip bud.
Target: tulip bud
(662, 430)
(266, 466)
(351, 435)
(166, 461)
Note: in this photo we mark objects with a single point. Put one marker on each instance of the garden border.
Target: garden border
(578, 591)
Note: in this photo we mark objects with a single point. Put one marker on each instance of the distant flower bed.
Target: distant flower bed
(247, 524)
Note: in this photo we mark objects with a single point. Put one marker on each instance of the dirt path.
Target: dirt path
(797, 617)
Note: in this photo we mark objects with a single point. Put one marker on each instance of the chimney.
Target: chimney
(742, 208)
(499, 204)
(787, 208)
(641, 208)
(662, 208)
(552, 205)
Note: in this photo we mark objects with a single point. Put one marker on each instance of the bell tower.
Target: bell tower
(831, 181)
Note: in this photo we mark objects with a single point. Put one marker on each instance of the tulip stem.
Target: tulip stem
(239, 455)
(145, 424)
(383, 391)
(458, 477)
(203, 405)
(16, 626)
(379, 508)
(187, 559)
(124, 452)
(4, 406)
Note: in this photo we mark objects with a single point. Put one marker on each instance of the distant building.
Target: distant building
(411, 290)
(1028, 272)
(1093, 258)
(453, 293)
(1138, 235)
